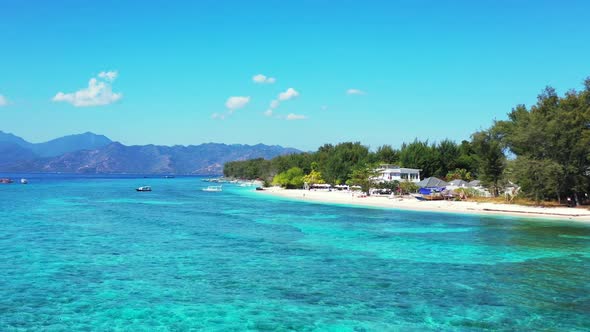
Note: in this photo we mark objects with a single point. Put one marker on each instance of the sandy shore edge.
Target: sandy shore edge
(347, 198)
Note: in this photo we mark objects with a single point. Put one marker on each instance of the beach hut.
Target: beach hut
(321, 186)
(431, 185)
(432, 182)
(457, 184)
(474, 184)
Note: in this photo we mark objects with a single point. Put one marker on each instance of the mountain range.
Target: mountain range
(92, 153)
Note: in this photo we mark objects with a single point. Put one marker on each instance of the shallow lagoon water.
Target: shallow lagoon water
(93, 254)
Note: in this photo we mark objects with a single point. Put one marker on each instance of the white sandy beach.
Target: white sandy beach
(410, 203)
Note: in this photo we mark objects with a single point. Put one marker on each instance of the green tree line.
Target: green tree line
(544, 149)
(341, 163)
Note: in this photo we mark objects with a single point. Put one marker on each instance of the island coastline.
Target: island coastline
(411, 204)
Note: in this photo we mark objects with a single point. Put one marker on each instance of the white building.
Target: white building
(389, 173)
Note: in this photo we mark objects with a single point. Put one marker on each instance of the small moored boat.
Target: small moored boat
(6, 181)
(213, 188)
(431, 197)
(24, 181)
(144, 188)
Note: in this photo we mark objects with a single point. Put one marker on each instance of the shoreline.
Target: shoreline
(412, 204)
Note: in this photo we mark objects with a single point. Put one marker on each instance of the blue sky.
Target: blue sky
(427, 69)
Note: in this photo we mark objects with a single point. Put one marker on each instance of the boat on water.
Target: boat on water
(144, 188)
(24, 181)
(5, 181)
(430, 194)
(213, 188)
(431, 197)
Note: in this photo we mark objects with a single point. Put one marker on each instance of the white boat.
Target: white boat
(144, 188)
(24, 181)
(213, 188)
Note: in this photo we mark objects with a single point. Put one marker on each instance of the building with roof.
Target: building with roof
(432, 182)
(388, 173)
(479, 188)
(475, 184)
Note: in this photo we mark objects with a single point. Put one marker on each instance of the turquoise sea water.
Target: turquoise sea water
(91, 254)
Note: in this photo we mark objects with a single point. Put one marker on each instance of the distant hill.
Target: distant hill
(60, 145)
(90, 153)
(71, 143)
(11, 152)
(10, 138)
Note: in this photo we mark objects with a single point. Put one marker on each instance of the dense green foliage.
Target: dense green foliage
(459, 174)
(336, 163)
(551, 141)
(538, 178)
(314, 177)
(363, 176)
(408, 187)
(291, 178)
(492, 161)
(544, 149)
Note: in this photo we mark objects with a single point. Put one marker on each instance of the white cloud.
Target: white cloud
(289, 94)
(237, 102)
(232, 104)
(99, 92)
(261, 79)
(3, 101)
(355, 92)
(218, 116)
(274, 104)
(293, 116)
(109, 75)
